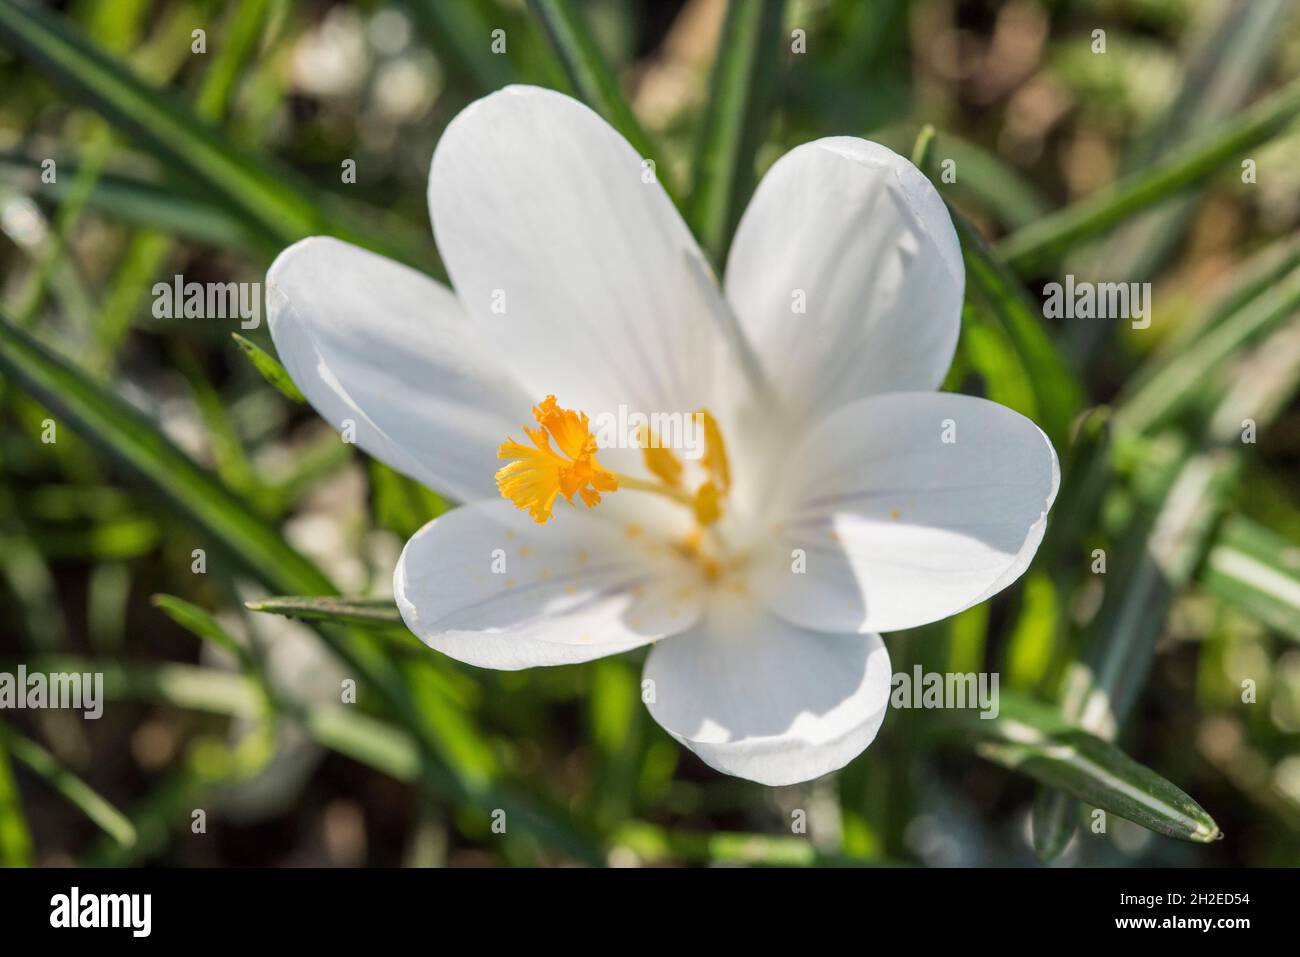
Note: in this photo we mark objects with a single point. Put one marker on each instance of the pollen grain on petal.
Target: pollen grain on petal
(538, 475)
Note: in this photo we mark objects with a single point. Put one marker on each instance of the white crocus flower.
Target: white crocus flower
(838, 495)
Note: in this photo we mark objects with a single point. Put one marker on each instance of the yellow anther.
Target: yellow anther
(715, 452)
(708, 508)
(659, 460)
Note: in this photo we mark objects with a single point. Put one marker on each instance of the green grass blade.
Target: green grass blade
(1221, 79)
(461, 36)
(108, 818)
(1258, 389)
(740, 101)
(53, 269)
(1032, 738)
(592, 77)
(1085, 477)
(980, 178)
(1238, 46)
(1056, 388)
(268, 194)
(1035, 246)
(401, 504)
(362, 611)
(989, 352)
(989, 182)
(73, 61)
(1170, 541)
(1181, 380)
(370, 741)
(269, 367)
(243, 29)
(617, 720)
(128, 436)
(997, 293)
(1246, 282)
(188, 687)
(656, 845)
(144, 203)
(198, 622)
(452, 730)
(15, 835)
(1255, 570)
(1051, 823)
(1155, 558)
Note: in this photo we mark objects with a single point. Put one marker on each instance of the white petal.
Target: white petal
(762, 699)
(859, 234)
(572, 590)
(577, 265)
(900, 527)
(371, 341)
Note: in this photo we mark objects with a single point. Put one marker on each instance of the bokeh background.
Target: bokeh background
(207, 163)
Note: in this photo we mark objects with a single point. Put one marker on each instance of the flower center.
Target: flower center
(539, 474)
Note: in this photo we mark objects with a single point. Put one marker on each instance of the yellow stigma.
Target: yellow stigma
(539, 474)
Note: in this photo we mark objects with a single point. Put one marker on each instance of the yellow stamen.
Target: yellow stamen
(706, 505)
(659, 460)
(641, 485)
(538, 475)
(715, 452)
